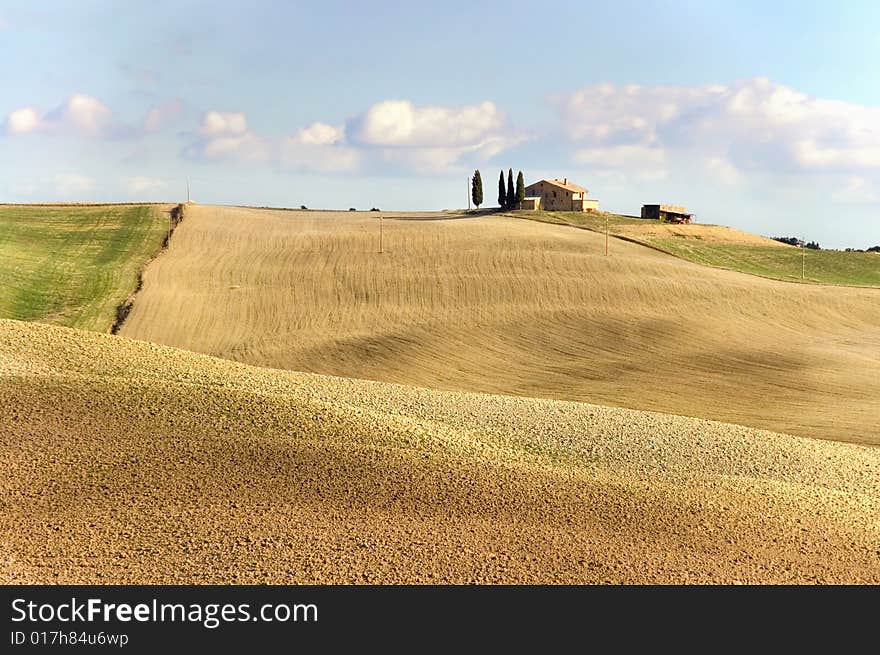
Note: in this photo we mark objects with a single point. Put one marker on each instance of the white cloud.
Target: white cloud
(85, 114)
(319, 147)
(23, 121)
(320, 134)
(161, 115)
(220, 123)
(71, 184)
(399, 123)
(431, 138)
(225, 135)
(751, 125)
(631, 114)
(424, 139)
(140, 184)
(811, 154)
(80, 114)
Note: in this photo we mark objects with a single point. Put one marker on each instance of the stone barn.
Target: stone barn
(667, 213)
(559, 195)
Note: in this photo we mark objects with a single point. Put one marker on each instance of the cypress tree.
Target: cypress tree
(502, 193)
(477, 189)
(520, 190)
(511, 192)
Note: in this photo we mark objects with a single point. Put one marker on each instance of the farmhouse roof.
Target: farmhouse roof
(564, 184)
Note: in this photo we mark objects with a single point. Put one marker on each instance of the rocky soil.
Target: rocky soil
(128, 462)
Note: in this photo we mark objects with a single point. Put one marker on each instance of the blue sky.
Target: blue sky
(766, 118)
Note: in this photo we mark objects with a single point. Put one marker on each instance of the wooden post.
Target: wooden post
(803, 262)
(606, 235)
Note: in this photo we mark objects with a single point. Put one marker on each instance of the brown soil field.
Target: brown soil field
(130, 462)
(502, 305)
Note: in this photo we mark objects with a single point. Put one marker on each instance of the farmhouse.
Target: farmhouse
(667, 213)
(558, 195)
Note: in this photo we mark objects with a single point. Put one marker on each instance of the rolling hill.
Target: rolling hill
(431, 426)
(728, 248)
(130, 462)
(502, 305)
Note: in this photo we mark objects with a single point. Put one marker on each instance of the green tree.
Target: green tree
(502, 192)
(511, 192)
(520, 190)
(477, 189)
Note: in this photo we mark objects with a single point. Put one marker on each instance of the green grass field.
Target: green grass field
(73, 265)
(716, 248)
(818, 266)
(594, 221)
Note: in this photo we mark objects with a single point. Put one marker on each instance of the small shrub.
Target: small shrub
(375, 209)
(352, 209)
(303, 207)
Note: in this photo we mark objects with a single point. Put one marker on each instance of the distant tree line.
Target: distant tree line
(510, 196)
(814, 245)
(794, 241)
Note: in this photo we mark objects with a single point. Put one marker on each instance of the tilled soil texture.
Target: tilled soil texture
(504, 305)
(128, 462)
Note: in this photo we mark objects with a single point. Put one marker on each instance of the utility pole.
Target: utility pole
(803, 260)
(187, 190)
(606, 235)
(469, 192)
(380, 236)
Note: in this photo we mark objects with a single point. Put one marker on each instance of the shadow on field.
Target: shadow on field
(454, 217)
